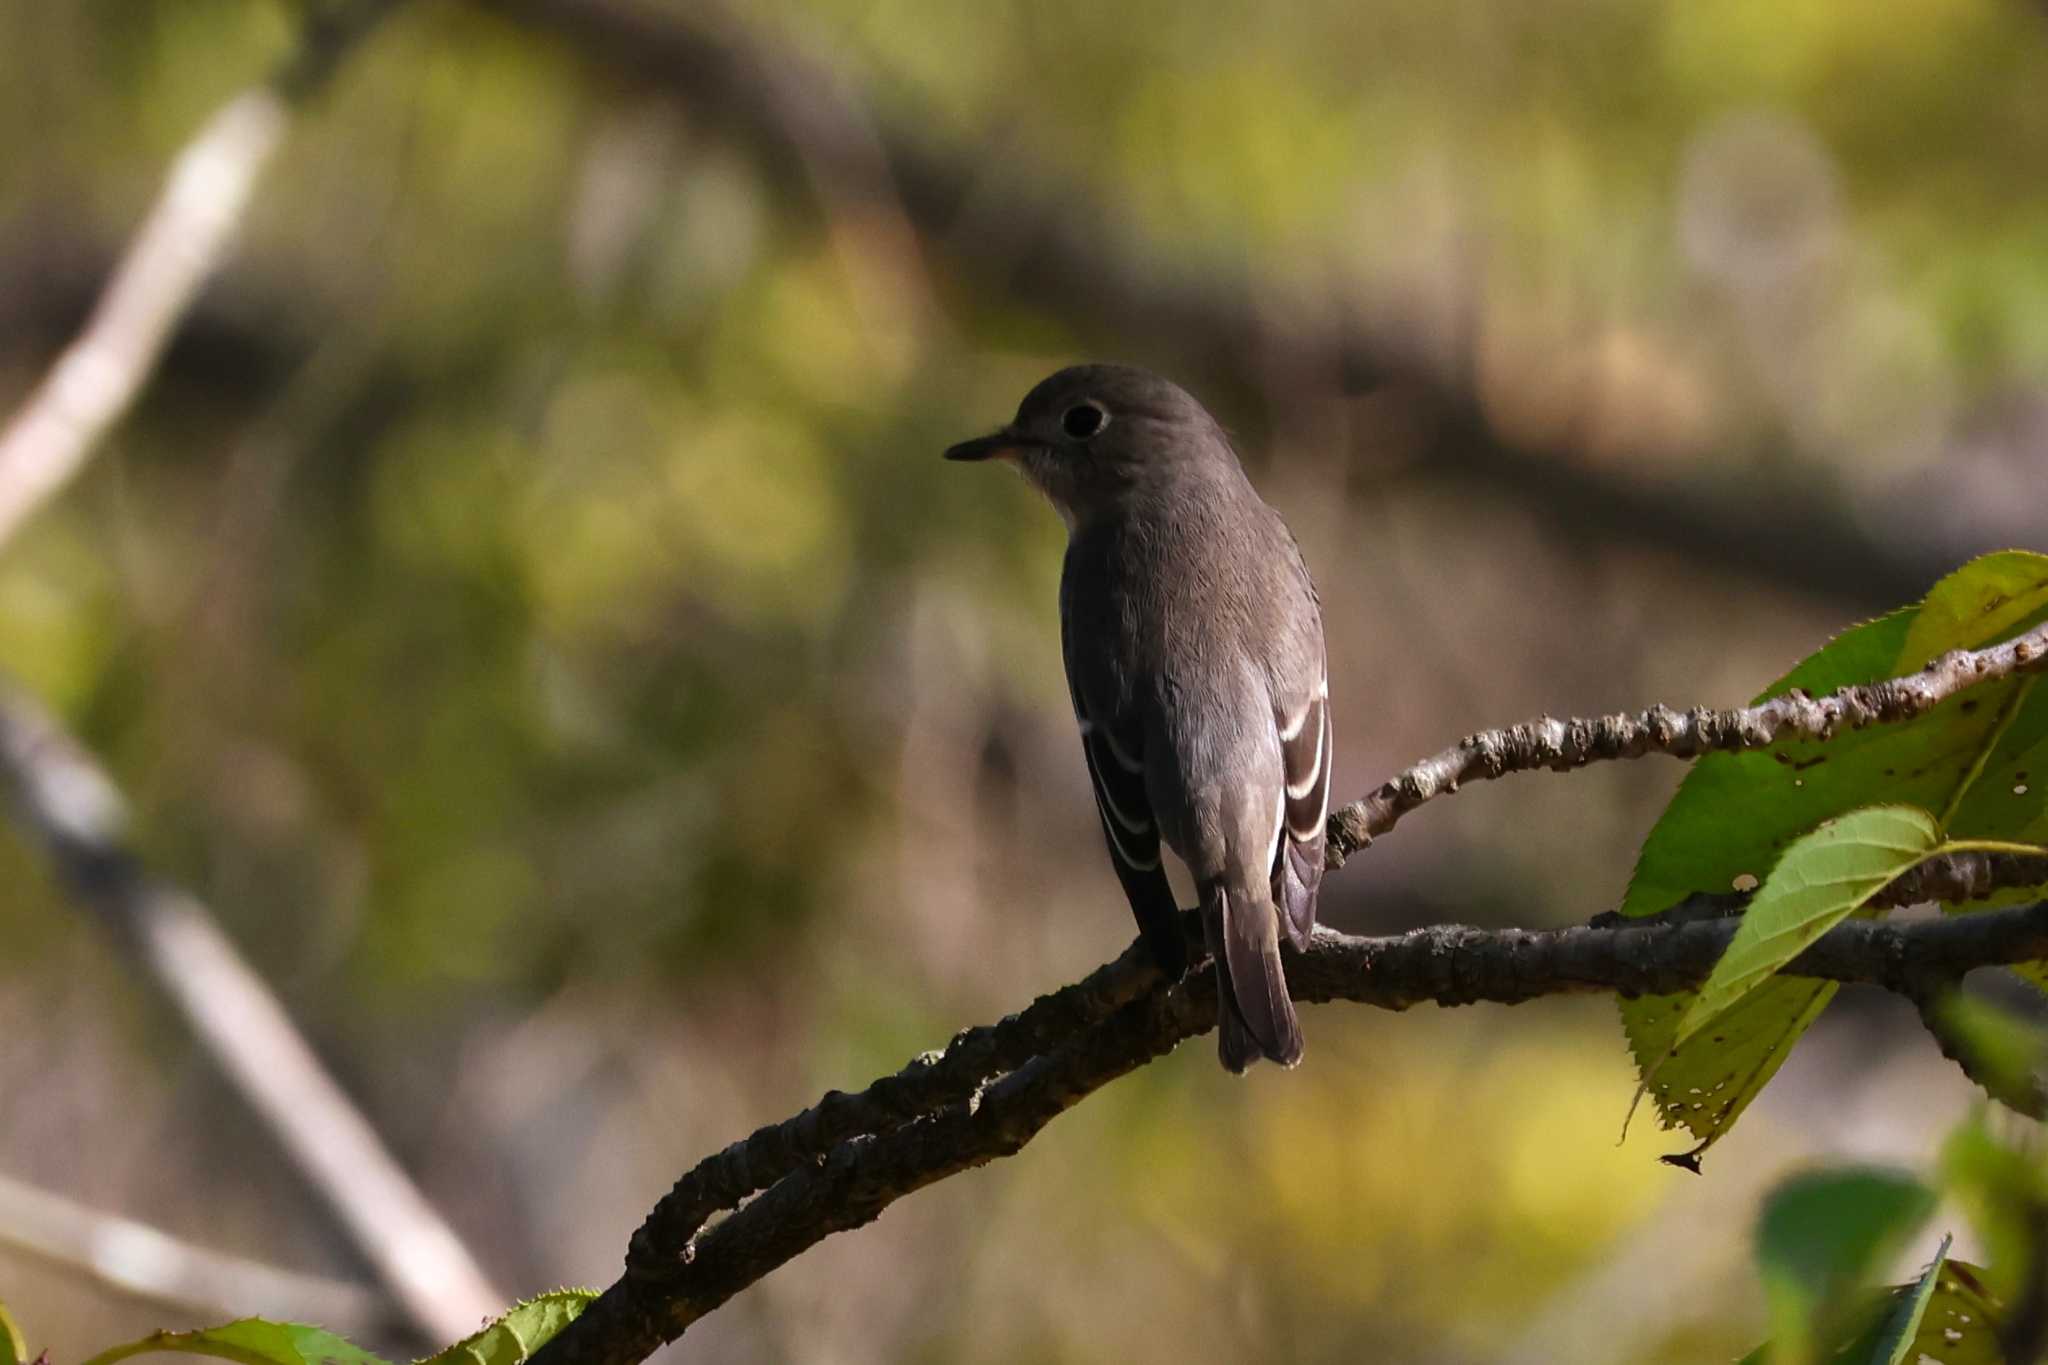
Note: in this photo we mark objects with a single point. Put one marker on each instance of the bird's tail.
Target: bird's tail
(1255, 1015)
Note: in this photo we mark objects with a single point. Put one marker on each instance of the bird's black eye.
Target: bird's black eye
(1083, 420)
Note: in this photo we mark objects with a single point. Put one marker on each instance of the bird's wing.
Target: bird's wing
(1116, 767)
(1116, 770)
(1305, 751)
(1115, 748)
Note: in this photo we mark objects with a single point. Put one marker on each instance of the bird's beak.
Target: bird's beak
(996, 446)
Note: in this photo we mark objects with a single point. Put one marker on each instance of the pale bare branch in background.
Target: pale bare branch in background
(74, 810)
(188, 232)
(78, 817)
(149, 1263)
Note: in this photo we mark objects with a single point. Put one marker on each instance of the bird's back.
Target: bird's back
(1202, 627)
(1194, 649)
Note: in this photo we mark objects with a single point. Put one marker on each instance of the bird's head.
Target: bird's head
(1088, 435)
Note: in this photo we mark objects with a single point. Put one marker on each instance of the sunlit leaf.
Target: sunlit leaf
(1900, 1329)
(1988, 598)
(521, 1332)
(13, 1350)
(1824, 877)
(252, 1341)
(1946, 1318)
(1961, 1323)
(1706, 1084)
(1735, 814)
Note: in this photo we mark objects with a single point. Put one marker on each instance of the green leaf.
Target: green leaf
(1820, 1237)
(1992, 596)
(2009, 799)
(2004, 1053)
(521, 1332)
(1735, 813)
(1948, 1317)
(1962, 1321)
(1899, 1330)
(1706, 1084)
(1954, 1320)
(2001, 1189)
(252, 1341)
(1823, 877)
(13, 1350)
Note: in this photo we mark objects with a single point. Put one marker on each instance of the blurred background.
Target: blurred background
(528, 607)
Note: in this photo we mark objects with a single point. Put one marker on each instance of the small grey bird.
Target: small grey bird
(1194, 651)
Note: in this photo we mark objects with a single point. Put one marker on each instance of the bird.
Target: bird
(1193, 642)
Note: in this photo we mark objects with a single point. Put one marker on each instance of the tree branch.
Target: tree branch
(839, 1163)
(933, 1080)
(1562, 745)
(676, 1273)
(78, 817)
(186, 235)
(929, 1083)
(1935, 999)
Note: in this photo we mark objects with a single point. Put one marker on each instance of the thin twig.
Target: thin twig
(186, 235)
(1562, 745)
(77, 815)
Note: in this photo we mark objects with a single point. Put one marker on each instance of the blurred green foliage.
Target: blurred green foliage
(530, 610)
(1823, 1235)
